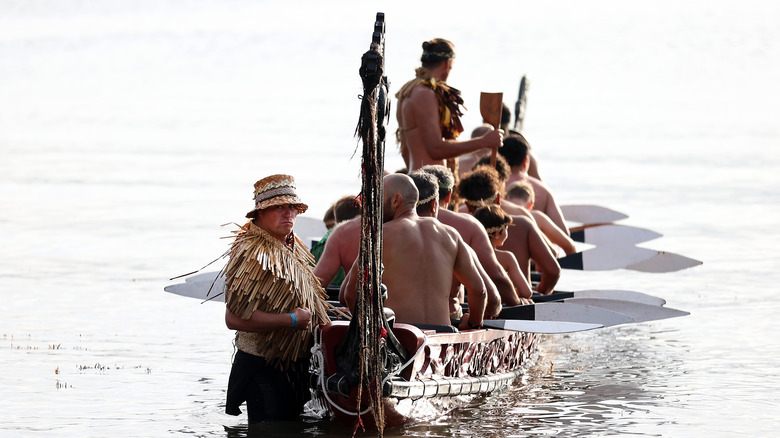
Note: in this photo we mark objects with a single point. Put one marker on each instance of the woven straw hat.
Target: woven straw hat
(276, 190)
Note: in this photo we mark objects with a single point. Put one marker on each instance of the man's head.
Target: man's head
(515, 150)
(501, 166)
(493, 218)
(276, 190)
(346, 208)
(438, 53)
(329, 219)
(276, 205)
(480, 187)
(481, 130)
(446, 180)
(428, 188)
(399, 196)
(496, 223)
(520, 193)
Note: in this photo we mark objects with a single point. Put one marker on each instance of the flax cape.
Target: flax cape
(450, 104)
(264, 274)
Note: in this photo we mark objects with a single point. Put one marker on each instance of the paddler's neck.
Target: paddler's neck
(442, 71)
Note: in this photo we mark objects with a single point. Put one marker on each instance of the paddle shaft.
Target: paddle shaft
(520, 104)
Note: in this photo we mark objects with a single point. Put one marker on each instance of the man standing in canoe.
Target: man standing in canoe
(429, 113)
(272, 300)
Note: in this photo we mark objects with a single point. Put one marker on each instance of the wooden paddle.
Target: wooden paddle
(490, 105)
(520, 104)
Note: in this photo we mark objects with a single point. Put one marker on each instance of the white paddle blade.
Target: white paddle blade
(200, 289)
(205, 276)
(605, 258)
(590, 214)
(622, 295)
(639, 312)
(572, 312)
(614, 234)
(664, 262)
(545, 327)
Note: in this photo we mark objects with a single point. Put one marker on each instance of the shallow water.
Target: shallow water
(129, 132)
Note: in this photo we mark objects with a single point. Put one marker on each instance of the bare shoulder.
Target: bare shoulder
(433, 225)
(467, 225)
(457, 219)
(522, 222)
(345, 230)
(421, 91)
(536, 183)
(505, 257)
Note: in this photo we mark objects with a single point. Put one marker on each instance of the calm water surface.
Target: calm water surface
(130, 131)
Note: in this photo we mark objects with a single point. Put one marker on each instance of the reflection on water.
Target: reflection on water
(585, 384)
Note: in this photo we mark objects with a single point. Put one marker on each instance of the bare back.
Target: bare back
(526, 242)
(419, 257)
(475, 236)
(341, 251)
(418, 118)
(421, 132)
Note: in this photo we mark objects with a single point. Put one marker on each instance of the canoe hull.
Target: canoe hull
(448, 369)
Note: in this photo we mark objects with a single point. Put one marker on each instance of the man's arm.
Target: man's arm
(518, 279)
(260, 321)
(468, 274)
(348, 290)
(426, 113)
(493, 305)
(552, 210)
(555, 234)
(330, 261)
(545, 261)
(480, 243)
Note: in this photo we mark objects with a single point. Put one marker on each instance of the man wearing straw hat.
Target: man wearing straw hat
(272, 300)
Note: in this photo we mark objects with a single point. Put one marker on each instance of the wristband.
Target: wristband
(295, 320)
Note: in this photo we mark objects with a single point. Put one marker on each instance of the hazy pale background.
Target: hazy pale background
(130, 131)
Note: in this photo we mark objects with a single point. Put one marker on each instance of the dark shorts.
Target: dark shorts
(271, 393)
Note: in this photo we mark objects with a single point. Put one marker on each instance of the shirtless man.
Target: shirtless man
(473, 233)
(481, 187)
(341, 251)
(420, 256)
(521, 193)
(515, 151)
(428, 126)
(466, 162)
(430, 206)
